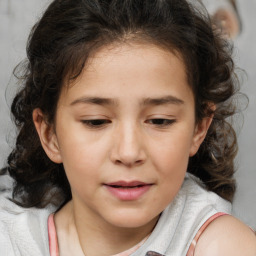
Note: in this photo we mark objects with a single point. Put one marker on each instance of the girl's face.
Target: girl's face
(125, 131)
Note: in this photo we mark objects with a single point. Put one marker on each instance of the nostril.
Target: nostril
(139, 161)
(129, 163)
(118, 161)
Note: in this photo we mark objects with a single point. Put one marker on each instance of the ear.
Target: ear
(47, 136)
(200, 134)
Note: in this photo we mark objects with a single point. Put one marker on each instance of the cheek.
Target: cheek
(172, 154)
(81, 160)
(171, 165)
(80, 148)
(172, 171)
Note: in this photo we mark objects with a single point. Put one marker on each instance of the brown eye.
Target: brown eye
(161, 122)
(96, 123)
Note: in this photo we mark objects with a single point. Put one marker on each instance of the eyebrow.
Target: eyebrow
(145, 102)
(163, 101)
(95, 100)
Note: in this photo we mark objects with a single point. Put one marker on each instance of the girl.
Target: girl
(123, 147)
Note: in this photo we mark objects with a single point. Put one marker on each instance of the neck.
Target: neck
(88, 233)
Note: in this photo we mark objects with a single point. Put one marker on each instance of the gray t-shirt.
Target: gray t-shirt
(24, 232)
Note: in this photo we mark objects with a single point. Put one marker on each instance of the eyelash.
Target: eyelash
(96, 123)
(159, 122)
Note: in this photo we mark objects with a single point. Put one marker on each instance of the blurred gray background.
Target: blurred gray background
(16, 20)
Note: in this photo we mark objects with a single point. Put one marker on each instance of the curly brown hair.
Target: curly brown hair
(58, 48)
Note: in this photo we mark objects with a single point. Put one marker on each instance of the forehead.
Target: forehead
(130, 56)
(135, 69)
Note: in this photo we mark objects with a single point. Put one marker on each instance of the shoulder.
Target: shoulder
(226, 236)
(22, 231)
(198, 197)
(12, 214)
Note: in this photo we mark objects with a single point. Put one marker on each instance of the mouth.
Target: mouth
(126, 187)
(125, 184)
(128, 191)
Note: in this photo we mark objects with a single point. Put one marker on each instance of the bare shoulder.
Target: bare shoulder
(226, 236)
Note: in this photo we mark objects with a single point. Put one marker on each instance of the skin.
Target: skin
(228, 22)
(226, 236)
(146, 132)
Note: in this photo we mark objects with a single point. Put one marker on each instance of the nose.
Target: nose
(128, 146)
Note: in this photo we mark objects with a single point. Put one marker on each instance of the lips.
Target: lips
(125, 184)
(128, 191)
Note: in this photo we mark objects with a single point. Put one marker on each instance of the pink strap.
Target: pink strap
(53, 240)
(192, 247)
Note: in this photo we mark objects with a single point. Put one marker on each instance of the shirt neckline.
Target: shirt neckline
(54, 247)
